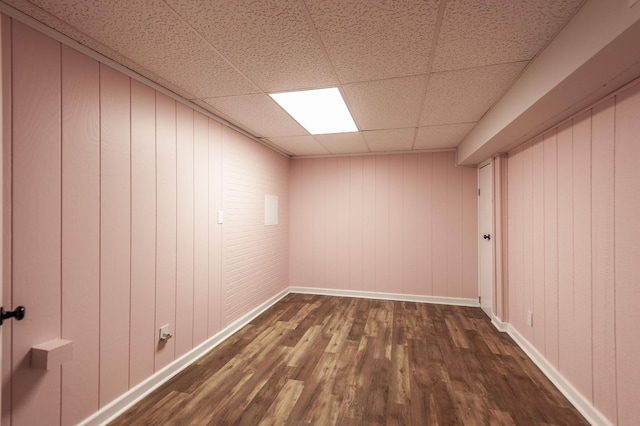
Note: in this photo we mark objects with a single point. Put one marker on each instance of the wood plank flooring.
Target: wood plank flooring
(332, 360)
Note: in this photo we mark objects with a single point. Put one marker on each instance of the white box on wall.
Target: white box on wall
(270, 209)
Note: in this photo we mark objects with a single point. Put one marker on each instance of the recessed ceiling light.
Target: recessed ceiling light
(319, 111)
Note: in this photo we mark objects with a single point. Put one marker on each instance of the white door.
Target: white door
(486, 240)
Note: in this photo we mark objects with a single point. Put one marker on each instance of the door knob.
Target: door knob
(487, 236)
(18, 314)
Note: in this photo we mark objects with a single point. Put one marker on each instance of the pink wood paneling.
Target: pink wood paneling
(550, 188)
(470, 233)
(396, 278)
(399, 211)
(143, 232)
(565, 250)
(80, 232)
(538, 284)
(216, 255)
(454, 229)
(602, 266)
(439, 223)
(36, 220)
(185, 235)
(115, 241)
(368, 223)
(582, 362)
(330, 208)
(201, 228)
(343, 225)
(409, 221)
(425, 201)
(589, 190)
(627, 253)
(165, 226)
(382, 206)
(5, 63)
(354, 234)
(525, 303)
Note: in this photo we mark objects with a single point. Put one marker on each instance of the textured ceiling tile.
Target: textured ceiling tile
(258, 114)
(390, 140)
(343, 143)
(299, 145)
(445, 136)
(478, 33)
(371, 40)
(271, 42)
(464, 96)
(385, 104)
(152, 35)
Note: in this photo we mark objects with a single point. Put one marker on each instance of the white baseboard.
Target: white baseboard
(502, 327)
(582, 404)
(455, 301)
(112, 410)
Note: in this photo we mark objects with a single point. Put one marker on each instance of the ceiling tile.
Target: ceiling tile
(464, 96)
(390, 140)
(372, 40)
(271, 42)
(478, 33)
(385, 104)
(152, 35)
(299, 145)
(444, 136)
(258, 114)
(343, 143)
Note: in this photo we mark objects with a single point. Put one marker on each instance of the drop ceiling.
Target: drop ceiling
(416, 74)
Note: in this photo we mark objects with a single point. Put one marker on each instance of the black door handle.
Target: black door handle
(487, 236)
(18, 314)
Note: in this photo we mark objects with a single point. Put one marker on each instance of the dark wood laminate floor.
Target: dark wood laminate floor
(333, 360)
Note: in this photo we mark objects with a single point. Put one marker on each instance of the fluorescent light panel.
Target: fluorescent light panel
(319, 111)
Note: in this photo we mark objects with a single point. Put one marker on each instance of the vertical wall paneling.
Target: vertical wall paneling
(185, 235)
(115, 228)
(165, 226)
(216, 255)
(382, 224)
(582, 253)
(143, 232)
(355, 234)
(36, 220)
(398, 216)
(425, 201)
(526, 296)
(550, 187)
(565, 249)
(80, 232)
(585, 321)
(369, 237)
(201, 227)
(6, 93)
(602, 261)
(627, 252)
(396, 277)
(439, 234)
(454, 230)
(343, 224)
(330, 181)
(409, 222)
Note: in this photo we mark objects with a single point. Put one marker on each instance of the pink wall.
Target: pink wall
(389, 223)
(573, 203)
(116, 189)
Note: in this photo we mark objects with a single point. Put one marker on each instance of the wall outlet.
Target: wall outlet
(530, 318)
